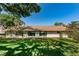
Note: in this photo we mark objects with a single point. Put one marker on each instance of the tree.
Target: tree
(59, 24)
(20, 9)
(74, 31)
(8, 21)
(14, 12)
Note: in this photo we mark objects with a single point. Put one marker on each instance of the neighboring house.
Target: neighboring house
(35, 32)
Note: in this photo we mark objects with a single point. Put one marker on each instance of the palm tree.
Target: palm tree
(20, 9)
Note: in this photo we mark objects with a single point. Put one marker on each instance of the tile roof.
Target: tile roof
(40, 28)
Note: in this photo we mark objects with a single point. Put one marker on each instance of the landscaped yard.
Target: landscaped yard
(46, 47)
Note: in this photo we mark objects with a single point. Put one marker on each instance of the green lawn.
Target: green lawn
(39, 47)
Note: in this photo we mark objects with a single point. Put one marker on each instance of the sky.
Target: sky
(53, 12)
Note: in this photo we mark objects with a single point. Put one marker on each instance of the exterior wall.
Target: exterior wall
(53, 35)
(56, 35)
(49, 35)
(24, 35)
(1, 30)
(10, 36)
(65, 36)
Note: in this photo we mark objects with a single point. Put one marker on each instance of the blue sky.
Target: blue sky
(54, 12)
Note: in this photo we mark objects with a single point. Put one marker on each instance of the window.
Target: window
(31, 33)
(43, 33)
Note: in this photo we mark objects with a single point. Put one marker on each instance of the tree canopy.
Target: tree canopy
(73, 25)
(9, 21)
(74, 29)
(59, 24)
(20, 9)
(15, 11)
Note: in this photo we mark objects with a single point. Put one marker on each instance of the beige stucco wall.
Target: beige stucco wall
(65, 36)
(10, 36)
(1, 30)
(52, 35)
(49, 35)
(55, 34)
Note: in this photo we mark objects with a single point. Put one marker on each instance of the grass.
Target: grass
(39, 47)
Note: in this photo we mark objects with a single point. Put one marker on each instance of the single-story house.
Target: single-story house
(35, 32)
